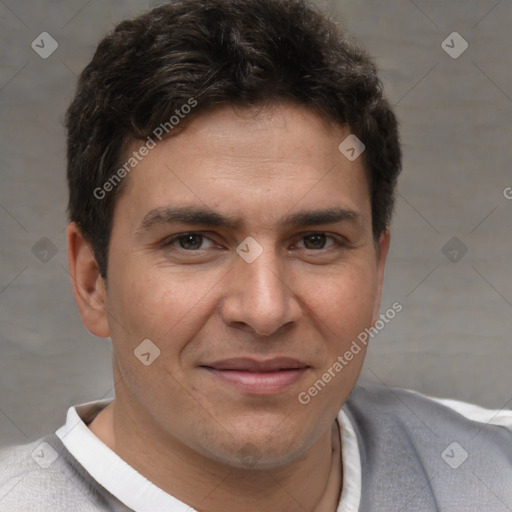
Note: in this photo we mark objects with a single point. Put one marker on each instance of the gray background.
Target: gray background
(452, 337)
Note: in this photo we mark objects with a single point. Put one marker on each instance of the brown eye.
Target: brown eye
(188, 242)
(315, 241)
(191, 241)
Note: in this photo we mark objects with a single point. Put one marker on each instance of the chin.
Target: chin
(258, 452)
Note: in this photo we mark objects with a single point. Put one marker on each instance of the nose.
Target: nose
(260, 296)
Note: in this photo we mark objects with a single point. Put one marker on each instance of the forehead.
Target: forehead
(259, 160)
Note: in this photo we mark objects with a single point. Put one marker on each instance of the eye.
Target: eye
(317, 241)
(187, 242)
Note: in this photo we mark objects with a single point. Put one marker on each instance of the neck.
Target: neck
(312, 482)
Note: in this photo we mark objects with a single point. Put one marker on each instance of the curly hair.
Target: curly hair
(241, 52)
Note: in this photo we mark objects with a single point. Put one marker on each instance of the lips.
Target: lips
(251, 376)
(245, 364)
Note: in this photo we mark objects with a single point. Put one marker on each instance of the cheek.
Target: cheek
(159, 303)
(343, 310)
(343, 301)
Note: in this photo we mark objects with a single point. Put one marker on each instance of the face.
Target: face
(243, 249)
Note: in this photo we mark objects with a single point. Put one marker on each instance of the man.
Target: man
(231, 169)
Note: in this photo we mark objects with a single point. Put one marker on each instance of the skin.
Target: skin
(211, 445)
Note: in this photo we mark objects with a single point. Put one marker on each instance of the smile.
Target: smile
(258, 377)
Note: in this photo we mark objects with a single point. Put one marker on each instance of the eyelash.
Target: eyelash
(168, 243)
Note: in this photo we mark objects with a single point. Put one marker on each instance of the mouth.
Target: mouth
(258, 377)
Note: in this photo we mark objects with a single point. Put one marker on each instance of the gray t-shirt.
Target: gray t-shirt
(415, 453)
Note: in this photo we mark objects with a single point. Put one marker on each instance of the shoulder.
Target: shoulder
(42, 476)
(404, 406)
(442, 454)
(19, 463)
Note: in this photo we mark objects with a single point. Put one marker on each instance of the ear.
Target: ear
(88, 285)
(381, 254)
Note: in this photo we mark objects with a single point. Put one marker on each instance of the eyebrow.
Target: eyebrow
(208, 217)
